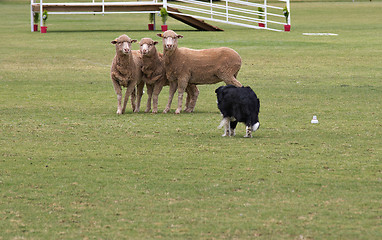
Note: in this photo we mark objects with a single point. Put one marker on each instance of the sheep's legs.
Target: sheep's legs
(192, 97)
(149, 94)
(129, 90)
(119, 98)
(118, 91)
(180, 101)
(173, 86)
(140, 87)
(230, 80)
(195, 97)
(133, 98)
(125, 101)
(188, 100)
(157, 89)
(182, 85)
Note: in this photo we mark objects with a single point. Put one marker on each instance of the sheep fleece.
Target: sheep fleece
(203, 66)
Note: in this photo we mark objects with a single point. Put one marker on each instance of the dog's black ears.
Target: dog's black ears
(218, 89)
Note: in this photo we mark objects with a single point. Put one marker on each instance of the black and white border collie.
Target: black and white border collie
(238, 104)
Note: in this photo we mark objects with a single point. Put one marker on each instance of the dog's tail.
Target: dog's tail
(255, 126)
(224, 122)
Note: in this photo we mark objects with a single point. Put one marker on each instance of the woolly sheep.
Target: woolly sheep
(126, 71)
(154, 76)
(188, 66)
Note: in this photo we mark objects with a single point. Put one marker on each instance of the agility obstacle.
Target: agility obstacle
(192, 12)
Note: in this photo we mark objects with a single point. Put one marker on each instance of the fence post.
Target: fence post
(265, 14)
(288, 7)
(212, 13)
(103, 7)
(155, 28)
(165, 4)
(226, 9)
(41, 13)
(32, 16)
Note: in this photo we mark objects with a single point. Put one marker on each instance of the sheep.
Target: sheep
(188, 66)
(126, 72)
(154, 76)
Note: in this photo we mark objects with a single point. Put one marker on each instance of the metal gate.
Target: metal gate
(245, 13)
(248, 13)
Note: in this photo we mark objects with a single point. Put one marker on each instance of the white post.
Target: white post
(103, 7)
(31, 16)
(41, 13)
(265, 14)
(165, 4)
(288, 7)
(154, 22)
(212, 14)
(226, 9)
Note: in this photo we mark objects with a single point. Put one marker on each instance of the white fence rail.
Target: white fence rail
(243, 13)
(89, 3)
(236, 12)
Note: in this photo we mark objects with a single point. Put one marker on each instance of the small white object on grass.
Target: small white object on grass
(320, 34)
(314, 120)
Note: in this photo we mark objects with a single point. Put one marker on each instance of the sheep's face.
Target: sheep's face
(170, 39)
(123, 44)
(147, 46)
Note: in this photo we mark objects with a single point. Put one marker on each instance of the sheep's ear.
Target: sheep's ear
(180, 36)
(113, 42)
(134, 40)
(160, 35)
(155, 42)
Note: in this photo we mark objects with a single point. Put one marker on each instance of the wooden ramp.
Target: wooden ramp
(193, 22)
(107, 8)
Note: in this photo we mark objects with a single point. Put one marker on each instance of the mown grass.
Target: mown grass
(71, 168)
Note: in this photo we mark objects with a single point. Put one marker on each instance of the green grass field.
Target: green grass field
(70, 168)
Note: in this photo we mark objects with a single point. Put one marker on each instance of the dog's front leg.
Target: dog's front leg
(227, 131)
(225, 122)
(227, 128)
